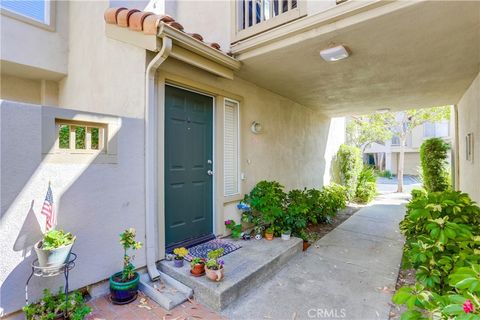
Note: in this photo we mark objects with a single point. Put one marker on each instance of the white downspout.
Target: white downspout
(151, 157)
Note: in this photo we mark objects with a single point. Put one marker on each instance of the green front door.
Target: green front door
(188, 166)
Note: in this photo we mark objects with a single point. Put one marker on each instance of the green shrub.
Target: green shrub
(385, 174)
(333, 198)
(297, 212)
(443, 246)
(267, 203)
(350, 165)
(433, 157)
(366, 186)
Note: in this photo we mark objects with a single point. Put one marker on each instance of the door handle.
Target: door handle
(210, 172)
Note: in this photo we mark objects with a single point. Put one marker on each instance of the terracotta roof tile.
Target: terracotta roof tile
(110, 14)
(147, 22)
(123, 17)
(135, 22)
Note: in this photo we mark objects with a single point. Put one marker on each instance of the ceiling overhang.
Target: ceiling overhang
(404, 54)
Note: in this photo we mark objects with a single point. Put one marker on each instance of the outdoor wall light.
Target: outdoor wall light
(256, 127)
(334, 54)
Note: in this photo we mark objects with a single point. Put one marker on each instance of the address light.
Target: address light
(334, 54)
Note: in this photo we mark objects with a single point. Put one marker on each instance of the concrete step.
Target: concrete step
(245, 269)
(166, 291)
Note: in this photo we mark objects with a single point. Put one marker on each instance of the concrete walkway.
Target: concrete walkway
(349, 274)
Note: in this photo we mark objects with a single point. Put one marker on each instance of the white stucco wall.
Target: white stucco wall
(469, 122)
(94, 201)
(26, 44)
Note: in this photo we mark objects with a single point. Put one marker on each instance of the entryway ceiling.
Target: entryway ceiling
(420, 55)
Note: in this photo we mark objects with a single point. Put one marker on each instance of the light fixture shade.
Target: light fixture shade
(334, 54)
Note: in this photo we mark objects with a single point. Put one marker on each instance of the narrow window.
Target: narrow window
(79, 136)
(231, 149)
(38, 10)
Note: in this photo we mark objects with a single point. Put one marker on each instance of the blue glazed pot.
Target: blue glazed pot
(123, 292)
(178, 263)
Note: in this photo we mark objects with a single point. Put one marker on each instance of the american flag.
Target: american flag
(47, 210)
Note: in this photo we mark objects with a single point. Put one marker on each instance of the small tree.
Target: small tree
(127, 239)
(362, 131)
(433, 157)
(350, 163)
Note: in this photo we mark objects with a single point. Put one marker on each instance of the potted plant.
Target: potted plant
(54, 249)
(286, 234)
(235, 228)
(180, 254)
(197, 266)
(269, 233)
(258, 232)
(54, 306)
(214, 266)
(124, 284)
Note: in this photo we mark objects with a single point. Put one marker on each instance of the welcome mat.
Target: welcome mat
(201, 250)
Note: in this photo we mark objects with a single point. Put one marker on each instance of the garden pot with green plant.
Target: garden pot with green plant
(124, 284)
(180, 254)
(54, 249)
(214, 266)
(197, 266)
(53, 307)
(269, 233)
(286, 234)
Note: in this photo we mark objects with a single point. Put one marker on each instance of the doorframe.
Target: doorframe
(161, 156)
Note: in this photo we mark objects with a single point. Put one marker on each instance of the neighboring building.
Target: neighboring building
(163, 115)
(386, 156)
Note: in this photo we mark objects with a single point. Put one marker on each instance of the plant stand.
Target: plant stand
(46, 272)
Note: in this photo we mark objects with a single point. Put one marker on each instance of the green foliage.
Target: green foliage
(364, 130)
(385, 174)
(433, 156)
(443, 245)
(213, 261)
(366, 185)
(234, 227)
(197, 260)
(51, 306)
(54, 239)
(267, 201)
(127, 240)
(292, 211)
(350, 163)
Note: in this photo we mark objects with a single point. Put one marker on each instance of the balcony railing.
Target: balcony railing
(255, 16)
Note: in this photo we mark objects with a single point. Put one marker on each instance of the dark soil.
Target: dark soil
(406, 277)
(322, 229)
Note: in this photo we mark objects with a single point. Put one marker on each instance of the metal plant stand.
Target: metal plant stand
(45, 272)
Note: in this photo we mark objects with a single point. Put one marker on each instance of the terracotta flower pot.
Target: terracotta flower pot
(198, 269)
(306, 244)
(269, 236)
(215, 275)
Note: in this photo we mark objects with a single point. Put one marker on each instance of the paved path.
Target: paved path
(348, 274)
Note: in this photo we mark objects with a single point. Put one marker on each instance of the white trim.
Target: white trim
(239, 191)
(49, 20)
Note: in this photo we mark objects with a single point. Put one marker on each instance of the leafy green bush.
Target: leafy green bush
(366, 185)
(297, 211)
(54, 239)
(433, 157)
(51, 306)
(267, 202)
(443, 246)
(333, 198)
(385, 174)
(350, 163)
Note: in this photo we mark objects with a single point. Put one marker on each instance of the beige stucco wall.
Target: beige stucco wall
(469, 122)
(295, 147)
(105, 75)
(20, 89)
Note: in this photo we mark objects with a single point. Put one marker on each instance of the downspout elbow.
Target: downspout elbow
(150, 156)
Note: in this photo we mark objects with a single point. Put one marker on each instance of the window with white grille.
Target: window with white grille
(80, 136)
(231, 148)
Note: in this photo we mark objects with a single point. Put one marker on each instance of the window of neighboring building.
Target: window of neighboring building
(231, 163)
(37, 12)
(395, 141)
(79, 136)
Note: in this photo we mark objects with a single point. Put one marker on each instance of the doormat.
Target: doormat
(201, 250)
